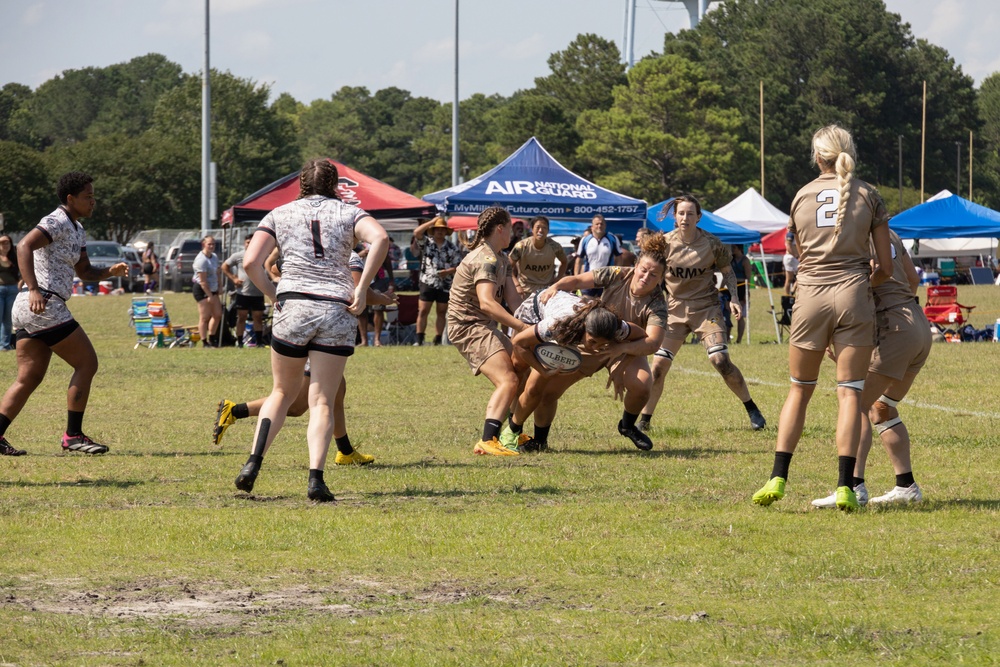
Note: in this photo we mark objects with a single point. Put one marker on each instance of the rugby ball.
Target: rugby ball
(555, 357)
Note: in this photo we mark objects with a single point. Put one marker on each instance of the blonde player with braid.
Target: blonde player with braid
(833, 218)
(482, 282)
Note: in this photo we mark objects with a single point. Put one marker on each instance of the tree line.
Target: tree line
(686, 119)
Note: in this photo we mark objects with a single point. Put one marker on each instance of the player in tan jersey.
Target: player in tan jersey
(833, 218)
(533, 260)
(693, 256)
(904, 341)
(633, 294)
(481, 283)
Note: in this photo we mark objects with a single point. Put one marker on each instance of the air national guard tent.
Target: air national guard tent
(531, 182)
(395, 209)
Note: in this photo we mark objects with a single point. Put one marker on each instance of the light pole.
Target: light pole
(900, 173)
(454, 112)
(206, 139)
(958, 167)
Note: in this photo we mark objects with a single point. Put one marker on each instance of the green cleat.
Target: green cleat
(773, 490)
(847, 501)
(511, 440)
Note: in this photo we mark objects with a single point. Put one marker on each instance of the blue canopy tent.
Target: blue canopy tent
(947, 218)
(728, 232)
(531, 182)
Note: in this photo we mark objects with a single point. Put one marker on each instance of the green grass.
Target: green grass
(592, 554)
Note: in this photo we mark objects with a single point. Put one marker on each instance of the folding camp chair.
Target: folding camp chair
(784, 318)
(943, 307)
(401, 322)
(151, 322)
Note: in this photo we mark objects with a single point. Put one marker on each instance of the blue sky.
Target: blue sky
(311, 48)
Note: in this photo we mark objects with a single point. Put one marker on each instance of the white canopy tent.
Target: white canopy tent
(752, 211)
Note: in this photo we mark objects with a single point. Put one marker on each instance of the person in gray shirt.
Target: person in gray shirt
(249, 299)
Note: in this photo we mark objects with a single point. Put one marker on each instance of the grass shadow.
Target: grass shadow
(686, 453)
(181, 455)
(89, 483)
(933, 505)
(378, 465)
(458, 493)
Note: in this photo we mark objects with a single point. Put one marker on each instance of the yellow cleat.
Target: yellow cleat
(223, 419)
(355, 458)
(493, 448)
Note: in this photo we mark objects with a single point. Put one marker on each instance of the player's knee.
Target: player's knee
(880, 412)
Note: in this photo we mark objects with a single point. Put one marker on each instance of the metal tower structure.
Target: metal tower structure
(696, 10)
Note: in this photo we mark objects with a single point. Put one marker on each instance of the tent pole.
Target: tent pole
(770, 296)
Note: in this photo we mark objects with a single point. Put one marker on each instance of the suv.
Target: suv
(102, 255)
(135, 277)
(179, 265)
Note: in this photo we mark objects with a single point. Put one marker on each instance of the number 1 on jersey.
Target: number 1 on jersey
(317, 239)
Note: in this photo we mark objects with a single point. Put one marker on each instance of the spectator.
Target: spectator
(150, 269)
(597, 250)
(533, 260)
(439, 258)
(249, 299)
(395, 254)
(411, 255)
(384, 283)
(790, 262)
(9, 279)
(205, 288)
(516, 234)
(742, 270)
(627, 258)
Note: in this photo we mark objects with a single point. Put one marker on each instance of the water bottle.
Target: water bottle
(996, 331)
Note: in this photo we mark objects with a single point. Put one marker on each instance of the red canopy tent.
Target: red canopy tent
(380, 200)
(774, 243)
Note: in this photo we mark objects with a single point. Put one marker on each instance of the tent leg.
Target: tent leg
(770, 296)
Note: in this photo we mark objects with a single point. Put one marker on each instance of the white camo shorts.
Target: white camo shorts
(55, 314)
(301, 325)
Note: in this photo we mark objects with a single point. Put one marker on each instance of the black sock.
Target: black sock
(4, 423)
(491, 429)
(74, 423)
(628, 419)
(256, 337)
(241, 411)
(846, 465)
(750, 406)
(542, 433)
(855, 481)
(257, 455)
(437, 340)
(344, 445)
(781, 462)
(646, 417)
(420, 339)
(515, 427)
(905, 480)
(315, 474)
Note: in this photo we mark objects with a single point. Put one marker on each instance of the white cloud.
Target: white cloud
(33, 14)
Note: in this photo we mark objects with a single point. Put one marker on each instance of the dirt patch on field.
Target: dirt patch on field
(212, 604)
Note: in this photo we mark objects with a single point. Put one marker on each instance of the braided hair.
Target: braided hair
(833, 146)
(488, 221)
(319, 176)
(591, 317)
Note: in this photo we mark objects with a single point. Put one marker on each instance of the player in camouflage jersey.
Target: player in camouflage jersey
(316, 304)
(693, 256)
(48, 256)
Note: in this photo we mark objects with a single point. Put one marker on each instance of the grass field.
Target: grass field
(591, 554)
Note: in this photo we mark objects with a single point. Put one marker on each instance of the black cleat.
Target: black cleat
(757, 420)
(638, 438)
(319, 493)
(7, 449)
(247, 476)
(533, 445)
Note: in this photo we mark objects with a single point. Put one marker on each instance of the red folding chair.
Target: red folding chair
(943, 307)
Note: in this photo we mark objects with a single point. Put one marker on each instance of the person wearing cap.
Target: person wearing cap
(439, 258)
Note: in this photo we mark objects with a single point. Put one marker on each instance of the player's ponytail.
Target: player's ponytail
(833, 149)
(654, 246)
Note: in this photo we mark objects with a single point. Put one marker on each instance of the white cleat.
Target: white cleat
(900, 494)
(830, 502)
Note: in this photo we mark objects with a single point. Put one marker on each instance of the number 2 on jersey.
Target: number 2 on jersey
(826, 214)
(317, 239)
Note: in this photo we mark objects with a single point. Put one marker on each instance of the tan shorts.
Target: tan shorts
(702, 318)
(842, 313)
(904, 341)
(477, 343)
